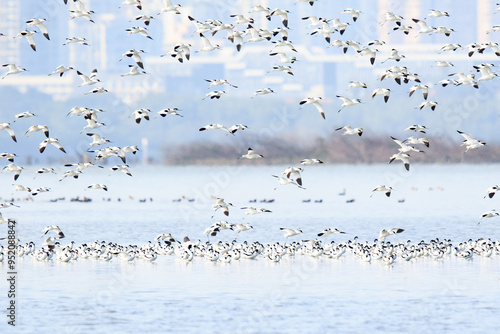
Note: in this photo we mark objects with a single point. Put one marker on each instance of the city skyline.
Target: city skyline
(319, 71)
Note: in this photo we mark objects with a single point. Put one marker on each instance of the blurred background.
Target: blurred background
(277, 126)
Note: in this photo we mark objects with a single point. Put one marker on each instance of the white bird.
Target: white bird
(347, 102)
(491, 191)
(45, 170)
(140, 114)
(144, 18)
(40, 25)
(282, 13)
(405, 158)
(98, 90)
(465, 79)
(493, 29)
(416, 128)
(281, 68)
(470, 142)
(25, 114)
(92, 124)
(450, 47)
(486, 72)
(424, 28)
(121, 168)
(437, 13)
(71, 173)
(357, 84)
(8, 156)
(382, 91)
(315, 21)
(39, 190)
(251, 155)
(54, 228)
(164, 236)
(221, 204)
(405, 148)
(315, 102)
(12, 69)
(218, 82)
(136, 3)
(52, 141)
(423, 88)
(214, 126)
(351, 131)
(354, 12)
(443, 30)
(289, 232)
(403, 28)
(97, 140)
(6, 127)
(135, 55)
(19, 187)
(216, 94)
(394, 56)
(29, 37)
(207, 46)
(263, 91)
(77, 40)
(61, 69)
(139, 30)
(383, 234)
(446, 82)
(488, 214)
(98, 186)
(368, 52)
(442, 63)
(169, 111)
(311, 161)
(254, 211)
(241, 227)
(6, 205)
(293, 171)
(311, 2)
(88, 80)
(236, 127)
(184, 50)
(169, 7)
(390, 16)
(329, 231)
(283, 57)
(133, 70)
(81, 165)
(416, 141)
(429, 104)
(386, 190)
(285, 181)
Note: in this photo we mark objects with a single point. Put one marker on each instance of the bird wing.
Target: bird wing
(466, 136)
(320, 109)
(11, 133)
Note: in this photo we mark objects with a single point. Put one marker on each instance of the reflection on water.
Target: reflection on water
(303, 294)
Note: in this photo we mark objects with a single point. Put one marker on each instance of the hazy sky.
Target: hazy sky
(320, 70)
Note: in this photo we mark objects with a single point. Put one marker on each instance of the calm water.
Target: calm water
(303, 294)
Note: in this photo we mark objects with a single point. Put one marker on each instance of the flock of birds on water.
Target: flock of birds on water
(281, 50)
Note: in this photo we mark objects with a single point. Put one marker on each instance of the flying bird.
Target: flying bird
(6, 127)
(29, 37)
(315, 102)
(350, 130)
(251, 155)
(386, 190)
(383, 234)
(53, 141)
